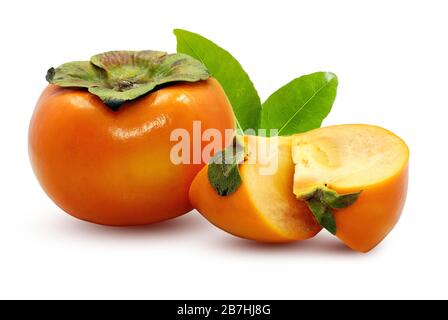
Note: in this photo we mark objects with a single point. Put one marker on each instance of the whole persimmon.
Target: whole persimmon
(100, 138)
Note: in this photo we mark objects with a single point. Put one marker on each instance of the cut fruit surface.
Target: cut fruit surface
(264, 207)
(353, 158)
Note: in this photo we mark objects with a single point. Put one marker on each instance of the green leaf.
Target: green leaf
(119, 76)
(300, 105)
(230, 74)
(223, 172)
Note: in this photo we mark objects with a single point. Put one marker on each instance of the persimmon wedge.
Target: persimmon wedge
(264, 207)
(349, 159)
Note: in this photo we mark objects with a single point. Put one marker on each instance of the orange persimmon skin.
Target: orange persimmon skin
(114, 168)
(235, 214)
(363, 225)
(234, 211)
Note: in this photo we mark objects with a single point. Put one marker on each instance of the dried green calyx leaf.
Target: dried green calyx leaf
(119, 76)
(223, 172)
(323, 200)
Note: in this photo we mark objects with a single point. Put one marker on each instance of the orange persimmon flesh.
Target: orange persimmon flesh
(352, 158)
(264, 207)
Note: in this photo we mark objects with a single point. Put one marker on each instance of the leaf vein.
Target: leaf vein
(303, 106)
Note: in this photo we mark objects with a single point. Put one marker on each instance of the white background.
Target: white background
(391, 59)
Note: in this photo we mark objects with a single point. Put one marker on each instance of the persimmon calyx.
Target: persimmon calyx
(119, 76)
(322, 201)
(223, 172)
